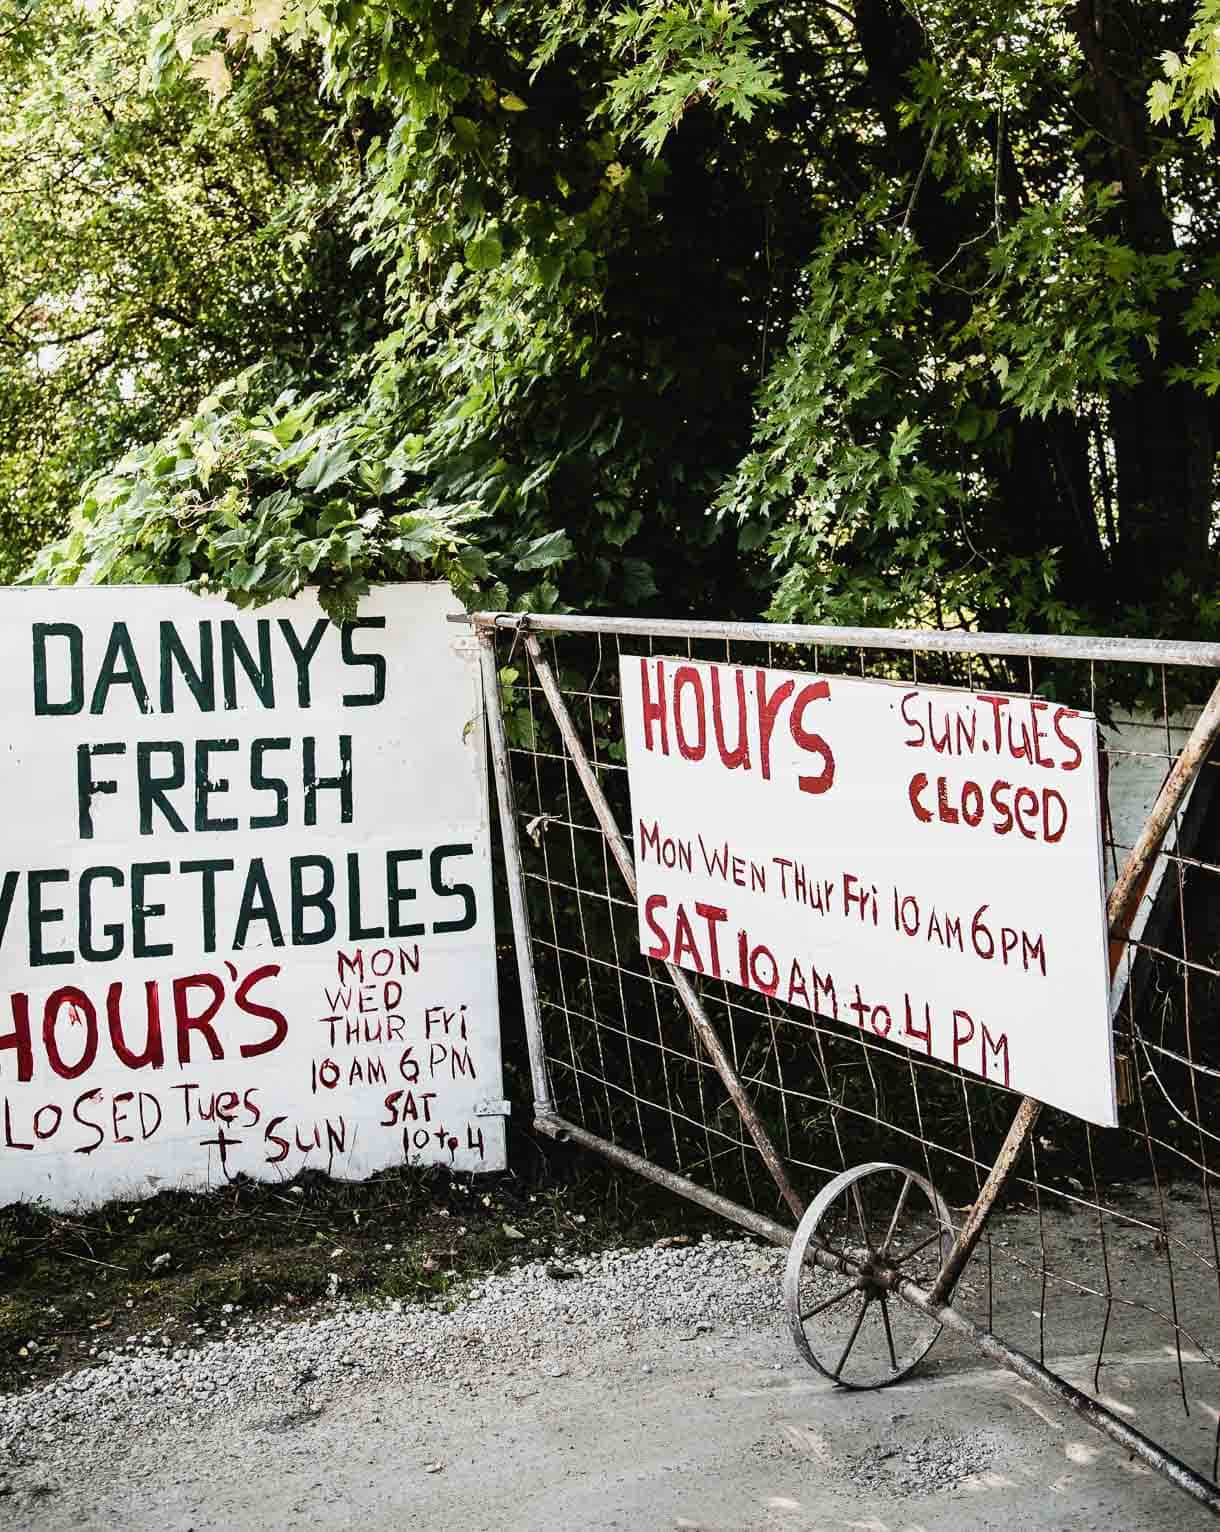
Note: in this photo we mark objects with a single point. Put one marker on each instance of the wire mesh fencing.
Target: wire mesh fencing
(1103, 1252)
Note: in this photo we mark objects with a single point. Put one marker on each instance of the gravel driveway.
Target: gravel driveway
(634, 1389)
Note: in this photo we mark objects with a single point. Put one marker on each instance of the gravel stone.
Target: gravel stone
(277, 1374)
(925, 1465)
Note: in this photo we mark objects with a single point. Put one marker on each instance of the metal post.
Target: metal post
(1129, 887)
(515, 871)
(971, 1231)
(685, 989)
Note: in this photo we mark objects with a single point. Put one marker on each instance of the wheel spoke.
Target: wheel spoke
(855, 1197)
(851, 1339)
(839, 1255)
(898, 1207)
(830, 1302)
(870, 1231)
(889, 1334)
(901, 1260)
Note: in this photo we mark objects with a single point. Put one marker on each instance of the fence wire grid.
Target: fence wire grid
(1104, 1253)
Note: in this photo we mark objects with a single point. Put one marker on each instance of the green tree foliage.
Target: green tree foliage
(851, 309)
(150, 249)
(1191, 85)
(260, 501)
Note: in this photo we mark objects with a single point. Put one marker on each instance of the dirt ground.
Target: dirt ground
(645, 1434)
(608, 1426)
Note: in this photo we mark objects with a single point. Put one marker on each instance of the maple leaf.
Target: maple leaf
(214, 73)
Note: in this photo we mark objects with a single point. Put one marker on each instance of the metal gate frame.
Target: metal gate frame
(936, 1301)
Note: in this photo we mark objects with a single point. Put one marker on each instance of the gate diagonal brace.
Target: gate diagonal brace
(686, 991)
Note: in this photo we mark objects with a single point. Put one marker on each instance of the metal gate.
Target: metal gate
(909, 1194)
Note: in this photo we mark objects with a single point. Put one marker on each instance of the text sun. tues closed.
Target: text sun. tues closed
(918, 864)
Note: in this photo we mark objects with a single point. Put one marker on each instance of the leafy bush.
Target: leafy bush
(258, 502)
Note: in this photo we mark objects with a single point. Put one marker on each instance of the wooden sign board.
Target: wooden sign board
(245, 893)
(920, 864)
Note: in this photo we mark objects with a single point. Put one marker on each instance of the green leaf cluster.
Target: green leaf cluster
(680, 56)
(1190, 86)
(256, 503)
(151, 248)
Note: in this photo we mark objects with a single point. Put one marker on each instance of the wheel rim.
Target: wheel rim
(869, 1225)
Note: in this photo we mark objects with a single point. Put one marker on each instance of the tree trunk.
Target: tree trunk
(1164, 436)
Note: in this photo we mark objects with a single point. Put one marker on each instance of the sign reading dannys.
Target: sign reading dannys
(245, 894)
(921, 865)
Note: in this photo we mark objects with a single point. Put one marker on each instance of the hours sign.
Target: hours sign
(245, 898)
(920, 865)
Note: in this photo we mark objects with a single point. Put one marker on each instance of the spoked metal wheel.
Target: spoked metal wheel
(864, 1230)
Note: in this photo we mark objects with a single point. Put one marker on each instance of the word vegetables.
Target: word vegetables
(245, 918)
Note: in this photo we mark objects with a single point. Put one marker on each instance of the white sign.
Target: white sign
(921, 864)
(245, 892)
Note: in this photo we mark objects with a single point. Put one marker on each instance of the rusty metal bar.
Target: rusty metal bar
(1121, 906)
(971, 1231)
(1091, 1410)
(1016, 645)
(515, 869)
(686, 991)
(1129, 887)
(756, 1223)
